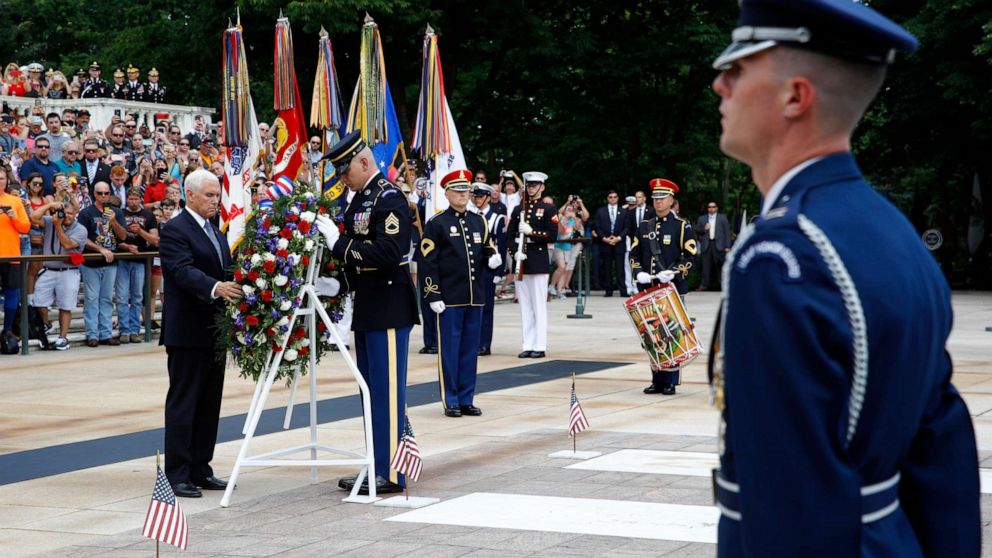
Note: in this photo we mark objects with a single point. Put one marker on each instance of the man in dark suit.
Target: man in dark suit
(195, 261)
(713, 232)
(94, 170)
(611, 229)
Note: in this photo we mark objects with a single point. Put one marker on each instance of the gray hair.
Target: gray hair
(196, 179)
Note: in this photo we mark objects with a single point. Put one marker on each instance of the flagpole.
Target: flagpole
(576, 435)
(158, 461)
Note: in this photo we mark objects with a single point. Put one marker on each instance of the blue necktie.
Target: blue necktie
(213, 240)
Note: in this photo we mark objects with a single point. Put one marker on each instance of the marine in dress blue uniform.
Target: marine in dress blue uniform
(842, 433)
(94, 87)
(456, 250)
(662, 252)
(374, 248)
(496, 224)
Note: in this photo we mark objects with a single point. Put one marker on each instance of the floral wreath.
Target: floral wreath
(271, 264)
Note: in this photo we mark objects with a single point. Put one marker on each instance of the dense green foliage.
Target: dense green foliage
(597, 94)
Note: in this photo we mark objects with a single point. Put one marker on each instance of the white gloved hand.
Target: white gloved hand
(495, 261)
(437, 307)
(520, 256)
(666, 276)
(497, 280)
(327, 286)
(644, 278)
(329, 229)
(526, 228)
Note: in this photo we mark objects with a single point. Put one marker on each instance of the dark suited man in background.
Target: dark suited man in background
(195, 259)
(713, 234)
(611, 229)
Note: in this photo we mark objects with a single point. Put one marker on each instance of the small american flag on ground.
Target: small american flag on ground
(407, 459)
(577, 419)
(165, 520)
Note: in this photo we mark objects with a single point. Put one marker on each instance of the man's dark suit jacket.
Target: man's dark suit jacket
(102, 175)
(722, 239)
(191, 269)
(620, 226)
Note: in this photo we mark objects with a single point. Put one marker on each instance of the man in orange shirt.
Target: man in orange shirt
(13, 223)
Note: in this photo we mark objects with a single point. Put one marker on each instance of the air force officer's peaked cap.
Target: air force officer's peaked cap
(346, 149)
(841, 28)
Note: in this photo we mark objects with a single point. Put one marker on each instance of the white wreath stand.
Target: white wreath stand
(309, 309)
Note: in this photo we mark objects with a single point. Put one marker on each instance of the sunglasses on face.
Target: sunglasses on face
(117, 135)
(91, 150)
(36, 183)
(184, 143)
(41, 146)
(130, 126)
(101, 193)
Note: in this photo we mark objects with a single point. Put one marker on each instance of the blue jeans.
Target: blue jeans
(130, 287)
(98, 300)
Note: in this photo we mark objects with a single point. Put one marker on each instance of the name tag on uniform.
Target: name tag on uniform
(477, 238)
(666, 240)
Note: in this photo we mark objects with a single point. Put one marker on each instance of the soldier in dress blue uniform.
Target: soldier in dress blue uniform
(94, 87)
(537, 223)
(374, 250)
(456, 250)
(134, 90)
(662, 252)
(117, 89)
(496, 223)
(154, 91)
(842, 433)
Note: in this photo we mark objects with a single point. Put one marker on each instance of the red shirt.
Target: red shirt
(155, 192)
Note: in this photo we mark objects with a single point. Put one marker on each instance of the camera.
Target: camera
(60, 214)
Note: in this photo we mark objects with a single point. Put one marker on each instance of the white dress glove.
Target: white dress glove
(329, 229)
(520, 256)
(495, 261)
(327, 286)
(497, 280)
(526, 228)
(644, 278)
(666, 276)
(437, 307)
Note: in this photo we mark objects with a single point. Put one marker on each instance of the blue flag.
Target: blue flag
(386, 153)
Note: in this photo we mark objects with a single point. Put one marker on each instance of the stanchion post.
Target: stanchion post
(580, 298)
(25, 335)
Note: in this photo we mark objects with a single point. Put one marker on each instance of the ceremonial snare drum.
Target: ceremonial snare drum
(663, 326)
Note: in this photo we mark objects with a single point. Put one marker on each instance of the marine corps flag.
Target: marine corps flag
(241, 136)
(288, 129)
(435, 138)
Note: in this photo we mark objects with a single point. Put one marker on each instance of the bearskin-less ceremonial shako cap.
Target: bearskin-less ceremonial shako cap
(663, 188)
(839, 28)
(457, 181)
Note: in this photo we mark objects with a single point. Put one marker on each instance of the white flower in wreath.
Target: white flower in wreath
(305, 342)
(308, 216)
(261, 283)
(308, 245)
(294, 210)
(294, 258)
(248, 290)
(256, 259)
(291, 355)
(286, 305)
(296, 234)
(273, 230)
(269, 257)
(242, 339)
(281, 280)
(283, 244)
(283, 321)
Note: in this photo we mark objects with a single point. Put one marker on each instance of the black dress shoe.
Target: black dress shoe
(484, 351)
(428, 351)
(525, 354)
(536, 354)
(336, 349)
(382, 486)
(211, 483)
(668, 390)
(187, 490)
(471, 411)
(652, 389)
(452, 412)
(607, 295)
(347, 482)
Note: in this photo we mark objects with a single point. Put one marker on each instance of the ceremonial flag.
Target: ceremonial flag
(241, 137)
(165, 520)
(577, 419)
(435, 138)
(406, 460)
(372, 111)
(289, 128)
(325, 112)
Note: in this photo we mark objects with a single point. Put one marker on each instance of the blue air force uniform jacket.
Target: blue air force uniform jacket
(455, 252)
(374, 248)
(543, 218)
(663, 243)
(843, 433)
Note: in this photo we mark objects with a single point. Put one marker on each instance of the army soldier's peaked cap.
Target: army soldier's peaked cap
(345, 150)
(94, 65)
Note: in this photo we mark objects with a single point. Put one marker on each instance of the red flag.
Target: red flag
(289, 129)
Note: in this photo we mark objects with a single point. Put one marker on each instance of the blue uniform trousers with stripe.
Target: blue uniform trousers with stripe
(458, 346)
(382, 356)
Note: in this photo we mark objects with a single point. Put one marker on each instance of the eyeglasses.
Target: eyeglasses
(41, 146)
(173, 133)
(117, 135)
(315, 143)
(64, 152)
(35, 183)
(101, 193)
(711, 207)
(184, 143)
(130, 126)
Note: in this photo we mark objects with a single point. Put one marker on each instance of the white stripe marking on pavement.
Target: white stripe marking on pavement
(657, 462)
(587, 516)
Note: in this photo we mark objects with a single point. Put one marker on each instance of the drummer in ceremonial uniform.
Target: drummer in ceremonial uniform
(117, 89)
(94, 87)
(374, 248)
(536, 223)
(842, 433)
(456, 250)
(154, 91)
(662, 252)
(134, 90)
(496, 223)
